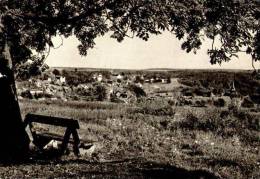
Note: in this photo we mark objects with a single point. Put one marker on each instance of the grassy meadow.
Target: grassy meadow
(217, 140)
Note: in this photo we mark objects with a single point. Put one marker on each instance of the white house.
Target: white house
(119, 77)
(49, 80)
(99, 78)
(38, 84)
(63, 79)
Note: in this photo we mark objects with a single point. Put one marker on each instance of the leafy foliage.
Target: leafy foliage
(97, 92)
(231, 123)
(138, 91)
(30, 24)
(33, 67)
(244, 82)
(82, 77)
(56, 72)
(155, 107)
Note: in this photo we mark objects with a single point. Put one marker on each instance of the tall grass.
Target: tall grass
(190, 137)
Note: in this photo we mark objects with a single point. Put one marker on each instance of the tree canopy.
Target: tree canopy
(29, 25)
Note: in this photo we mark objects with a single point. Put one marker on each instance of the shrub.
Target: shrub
(155, 107)
(96, 92)
(202, 92)
(200, 103)
(185, 102)
(172, 102)
(139, 92)
(75, 98)
(187, 82)
(247, 103)
(224, 114)
(100, 92)
(82, 91)
(56, 72)
(207, 122)
(27, 94)
(72, 80)
(220, 102)
(226, 124)
(158, 111)
(247, 120)
(187, 92)
(191, 121)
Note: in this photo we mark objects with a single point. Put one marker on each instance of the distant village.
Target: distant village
(64, 85)
(124, 87)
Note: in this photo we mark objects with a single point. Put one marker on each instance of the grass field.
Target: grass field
(222, 142)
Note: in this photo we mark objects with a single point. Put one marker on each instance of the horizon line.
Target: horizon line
(147, 69)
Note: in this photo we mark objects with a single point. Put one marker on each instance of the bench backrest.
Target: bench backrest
(57, 121)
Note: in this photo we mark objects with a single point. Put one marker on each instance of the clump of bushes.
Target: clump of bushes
(185, 102)
(200, 103)
(202, 92)
(247, 103)
(220, 102)
(159, 111)
(209, 122)
(100, 92)
(226, 124)
(27, 94)
(156, 111)
(187, 92)
(95, 92)
(172, 102)
(155, 107)
(138, 91)
(188, 82)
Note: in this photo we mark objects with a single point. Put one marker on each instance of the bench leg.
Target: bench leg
(76, 142)
(65, 141)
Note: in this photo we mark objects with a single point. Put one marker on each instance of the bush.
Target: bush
(247, 103)
(224, 114)
(226, 124)
(187, 82)
(100, 92)
(247, 120)
(159, 111)
(56, 72)
(185, 102)
(202, 92)
(139, 92)
(220, 102)
(207, 122)
(96, 92)
(155, 107)
(187, 92)
(27, 94)
(172, 102)
(191, 122)
(200, 103)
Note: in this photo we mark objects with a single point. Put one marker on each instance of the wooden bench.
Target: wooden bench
(71, 129)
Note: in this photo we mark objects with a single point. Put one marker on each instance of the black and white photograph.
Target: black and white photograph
(130, 89)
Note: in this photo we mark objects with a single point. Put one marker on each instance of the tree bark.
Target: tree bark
(13, 138)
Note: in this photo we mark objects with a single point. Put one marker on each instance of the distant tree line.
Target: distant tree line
(74, 78)
(218, 82)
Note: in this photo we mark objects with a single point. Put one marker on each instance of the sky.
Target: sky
(162, 51)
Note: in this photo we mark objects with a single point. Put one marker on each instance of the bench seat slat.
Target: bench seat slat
(54, 136)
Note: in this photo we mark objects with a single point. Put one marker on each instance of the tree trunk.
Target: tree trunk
(13, 138)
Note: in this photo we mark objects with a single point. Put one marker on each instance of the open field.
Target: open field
(132, 141)
(149, 124)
